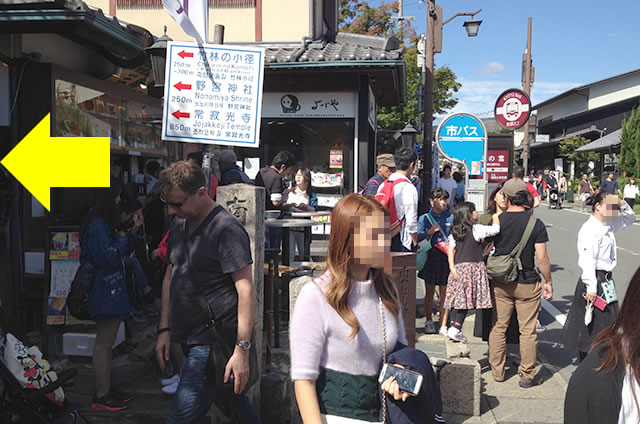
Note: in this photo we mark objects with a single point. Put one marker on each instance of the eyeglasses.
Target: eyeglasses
(176, 205)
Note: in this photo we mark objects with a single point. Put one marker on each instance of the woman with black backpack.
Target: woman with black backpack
(102, 250)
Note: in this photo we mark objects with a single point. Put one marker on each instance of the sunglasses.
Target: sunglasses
(176, 205)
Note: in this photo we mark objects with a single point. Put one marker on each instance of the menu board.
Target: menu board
(64, 261)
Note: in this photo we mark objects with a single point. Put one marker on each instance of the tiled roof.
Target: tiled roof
(338, 47)
(603, 143)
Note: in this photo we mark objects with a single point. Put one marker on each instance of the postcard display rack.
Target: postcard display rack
(62, 260)
(329, 187)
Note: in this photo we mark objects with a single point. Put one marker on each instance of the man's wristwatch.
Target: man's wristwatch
(245, 344)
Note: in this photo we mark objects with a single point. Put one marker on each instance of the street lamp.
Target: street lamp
(408, 134)
(433, 45)
(472, 27)
(158, 54)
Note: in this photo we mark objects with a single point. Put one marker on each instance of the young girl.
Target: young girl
(338, 332)
(468, 285)
(436, 226)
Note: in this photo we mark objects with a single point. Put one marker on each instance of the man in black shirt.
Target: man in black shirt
(210, 261)
(523, 294)
(270, 177)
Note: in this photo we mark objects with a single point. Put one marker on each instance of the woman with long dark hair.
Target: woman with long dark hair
(605, 388)
(337, 336)
(102, 250)
(300, 198)
(597, 258)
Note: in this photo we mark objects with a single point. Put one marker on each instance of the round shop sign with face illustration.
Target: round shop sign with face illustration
(512, 109)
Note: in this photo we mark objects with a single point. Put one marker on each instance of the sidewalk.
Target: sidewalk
(507, 402)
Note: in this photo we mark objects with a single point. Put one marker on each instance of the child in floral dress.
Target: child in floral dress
(468, 284)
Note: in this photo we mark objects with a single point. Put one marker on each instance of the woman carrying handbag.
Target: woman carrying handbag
(337, 340)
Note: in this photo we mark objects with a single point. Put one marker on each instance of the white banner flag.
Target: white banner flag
(191, 15)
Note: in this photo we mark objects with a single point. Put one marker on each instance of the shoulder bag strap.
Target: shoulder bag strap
(384, 356)
(517, 251)
(202, 300)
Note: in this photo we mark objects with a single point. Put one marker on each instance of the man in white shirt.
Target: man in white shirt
(405, 197)
(448, 183)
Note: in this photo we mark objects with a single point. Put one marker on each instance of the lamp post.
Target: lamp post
(408, 134)
(433, 45)
(158, 54)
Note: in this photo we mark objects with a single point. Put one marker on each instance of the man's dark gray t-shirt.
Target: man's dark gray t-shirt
(218, 247)
(512, 226)
(272, 182)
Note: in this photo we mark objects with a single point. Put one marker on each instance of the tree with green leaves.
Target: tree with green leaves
(359, 17)
(567, 149)
(630, 146)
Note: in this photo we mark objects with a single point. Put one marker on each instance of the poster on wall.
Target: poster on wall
(335, 159)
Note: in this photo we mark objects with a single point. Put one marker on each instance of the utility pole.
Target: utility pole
(401, 16)
(429, 51)
(527, 80)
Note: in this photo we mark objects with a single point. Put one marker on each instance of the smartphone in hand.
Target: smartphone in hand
(408, 381)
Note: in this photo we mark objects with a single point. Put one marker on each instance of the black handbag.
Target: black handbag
(225, 336)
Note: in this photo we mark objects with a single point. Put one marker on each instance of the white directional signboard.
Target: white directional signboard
(213, 94)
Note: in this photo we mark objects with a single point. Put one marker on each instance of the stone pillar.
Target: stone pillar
(246, 202)
(402, 269)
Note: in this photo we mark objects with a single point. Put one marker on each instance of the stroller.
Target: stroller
(554, 199)
(22, 405)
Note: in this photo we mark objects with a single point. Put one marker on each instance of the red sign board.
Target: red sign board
(497, 166)
(512, 109)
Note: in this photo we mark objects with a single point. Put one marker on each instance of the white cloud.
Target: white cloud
(479, 96)
(612, 34)
(492, 68)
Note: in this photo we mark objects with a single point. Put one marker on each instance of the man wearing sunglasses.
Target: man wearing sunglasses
(210, 261)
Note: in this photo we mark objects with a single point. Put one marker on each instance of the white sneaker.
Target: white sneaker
(429, 328)
(443, 331)
(456, 335)
(170, 381)
(171, 389)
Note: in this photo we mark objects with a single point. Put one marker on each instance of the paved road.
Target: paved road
(562, 227)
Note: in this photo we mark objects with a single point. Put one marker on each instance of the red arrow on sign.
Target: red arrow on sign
(180, 86)
(179, 114)
(184, 54)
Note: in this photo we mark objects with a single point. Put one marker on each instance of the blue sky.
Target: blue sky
(574, 42)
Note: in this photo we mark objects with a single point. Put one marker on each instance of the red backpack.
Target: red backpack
(387, 199)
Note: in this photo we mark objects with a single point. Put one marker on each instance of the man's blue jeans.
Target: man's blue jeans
(196, 393)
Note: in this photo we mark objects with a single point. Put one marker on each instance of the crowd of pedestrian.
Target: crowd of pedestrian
(496, 264)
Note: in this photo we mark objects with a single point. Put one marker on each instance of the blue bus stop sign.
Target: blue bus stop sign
(462, 137)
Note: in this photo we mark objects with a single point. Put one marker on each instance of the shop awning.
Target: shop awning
(606, 142)
(122, 44)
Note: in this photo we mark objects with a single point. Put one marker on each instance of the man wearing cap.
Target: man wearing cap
(230, 172)
(524, 293)
(386, 167)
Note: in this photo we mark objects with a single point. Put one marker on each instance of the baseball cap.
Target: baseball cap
(386, 159)
(512, 186)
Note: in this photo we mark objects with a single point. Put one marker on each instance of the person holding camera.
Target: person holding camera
(103, 247)
(597, 257)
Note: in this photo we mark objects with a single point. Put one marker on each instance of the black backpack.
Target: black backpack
(78, 298)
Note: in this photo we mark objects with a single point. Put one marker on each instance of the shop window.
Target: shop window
(325, 146)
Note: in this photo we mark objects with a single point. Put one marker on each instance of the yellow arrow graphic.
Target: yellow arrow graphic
(40, 162)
